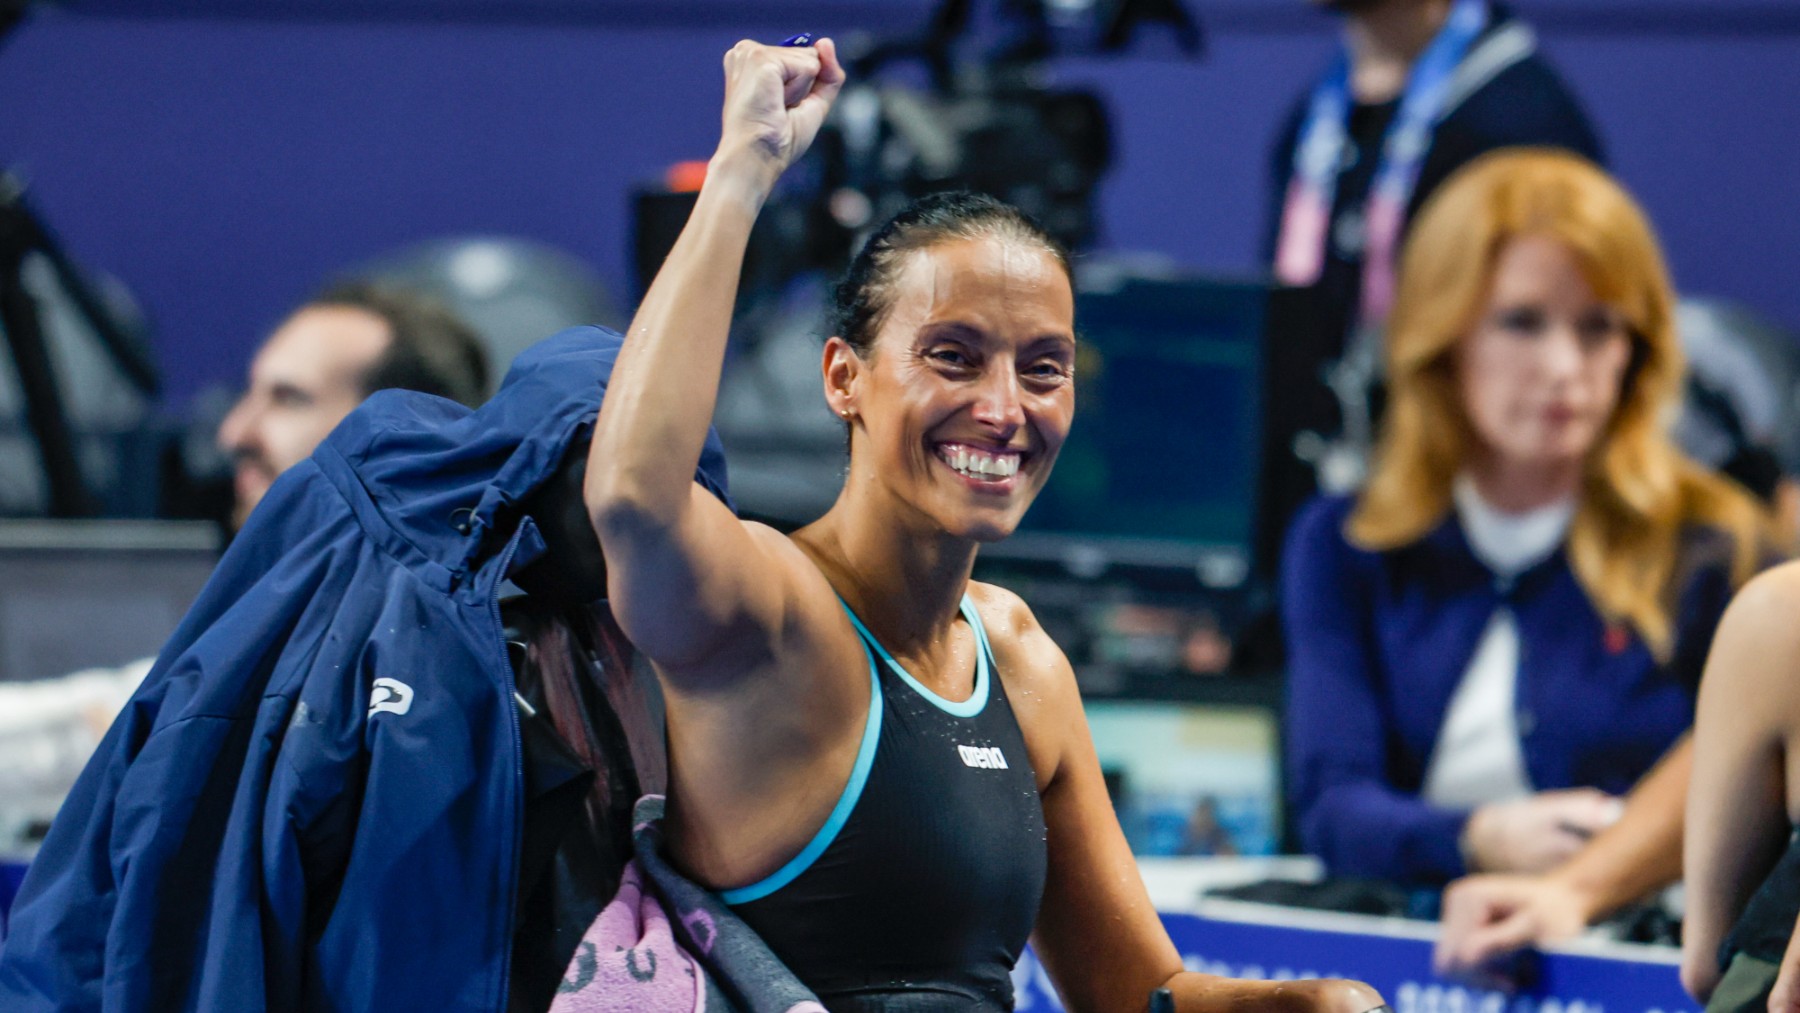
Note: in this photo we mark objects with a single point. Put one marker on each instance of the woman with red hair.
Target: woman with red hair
(1505, 628)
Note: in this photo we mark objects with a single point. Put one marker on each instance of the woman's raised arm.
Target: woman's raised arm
(685, 576)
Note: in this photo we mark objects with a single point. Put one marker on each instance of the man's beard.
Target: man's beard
(242, 501)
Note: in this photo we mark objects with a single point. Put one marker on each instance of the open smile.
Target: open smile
(986, 468)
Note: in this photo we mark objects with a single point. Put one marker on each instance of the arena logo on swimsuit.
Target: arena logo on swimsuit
(985, 757)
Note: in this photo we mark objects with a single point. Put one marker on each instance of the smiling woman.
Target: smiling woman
(975, 373)
(881, 764)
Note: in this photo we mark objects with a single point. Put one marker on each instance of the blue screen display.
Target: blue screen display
(1165, 439)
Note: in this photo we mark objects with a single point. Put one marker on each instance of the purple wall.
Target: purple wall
(222, 166)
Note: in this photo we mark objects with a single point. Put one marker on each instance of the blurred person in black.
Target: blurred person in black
(1422, 87)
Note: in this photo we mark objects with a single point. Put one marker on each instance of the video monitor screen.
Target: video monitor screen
(1190, 779)
(1164, 445)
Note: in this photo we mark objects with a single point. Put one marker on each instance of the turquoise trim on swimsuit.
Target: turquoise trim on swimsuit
(840, 813)
(987, 650)
(962, 709)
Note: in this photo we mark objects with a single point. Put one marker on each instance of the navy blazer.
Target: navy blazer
(1378, 642)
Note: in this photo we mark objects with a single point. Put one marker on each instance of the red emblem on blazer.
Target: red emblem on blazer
(1617, 639)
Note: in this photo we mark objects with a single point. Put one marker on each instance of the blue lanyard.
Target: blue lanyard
(1318, 156)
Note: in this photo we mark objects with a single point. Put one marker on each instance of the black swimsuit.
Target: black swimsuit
(922, 886)
(1767, 924)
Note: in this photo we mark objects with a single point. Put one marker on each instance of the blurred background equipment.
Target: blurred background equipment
(75, 398)
(80, 594)
(987, 121)
(515, 292)
(1741, 410)
(79, 598)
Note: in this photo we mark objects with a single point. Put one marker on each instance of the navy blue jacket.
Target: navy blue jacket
(313, 802)
(1378, 642)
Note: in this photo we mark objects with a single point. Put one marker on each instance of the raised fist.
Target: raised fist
(776, 98)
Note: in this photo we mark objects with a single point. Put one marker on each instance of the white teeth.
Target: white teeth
(981, 464)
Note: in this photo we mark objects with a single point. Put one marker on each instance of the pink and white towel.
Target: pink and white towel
(667, 945)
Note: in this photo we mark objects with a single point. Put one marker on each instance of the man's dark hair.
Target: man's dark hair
(430, 349)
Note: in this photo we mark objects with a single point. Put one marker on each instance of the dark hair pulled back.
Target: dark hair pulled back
(862, 298)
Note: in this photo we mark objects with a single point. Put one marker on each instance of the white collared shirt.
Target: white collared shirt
(1478, 757)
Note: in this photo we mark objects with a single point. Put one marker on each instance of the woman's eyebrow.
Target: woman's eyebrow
(958, 329)
(974, 334)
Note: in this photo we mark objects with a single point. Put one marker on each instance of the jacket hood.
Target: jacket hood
(443, 479)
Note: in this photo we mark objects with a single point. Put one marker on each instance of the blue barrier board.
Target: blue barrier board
(1582, 978)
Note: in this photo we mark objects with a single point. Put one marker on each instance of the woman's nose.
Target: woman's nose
(1562, 354)
(998, 404)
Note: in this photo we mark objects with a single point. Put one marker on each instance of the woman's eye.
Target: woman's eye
(1599, 326)
(1523, 321)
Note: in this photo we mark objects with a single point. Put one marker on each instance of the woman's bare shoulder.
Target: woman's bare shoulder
(1040, 684)
(1025, 652)
(1766, 607)
(1756, 650)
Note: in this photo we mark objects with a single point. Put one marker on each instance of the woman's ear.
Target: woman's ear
(842, 369)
